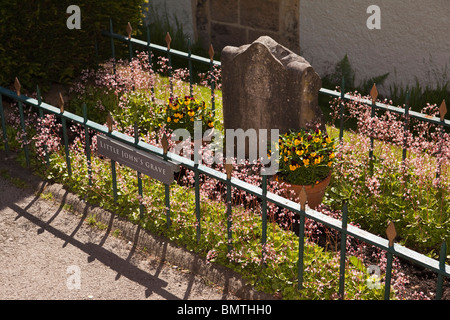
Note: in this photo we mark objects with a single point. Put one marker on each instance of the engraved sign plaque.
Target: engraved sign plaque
(145, 163)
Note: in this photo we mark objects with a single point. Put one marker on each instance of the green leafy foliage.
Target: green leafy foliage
(38, 48)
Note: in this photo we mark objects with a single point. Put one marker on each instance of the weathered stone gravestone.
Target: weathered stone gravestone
(267, 86)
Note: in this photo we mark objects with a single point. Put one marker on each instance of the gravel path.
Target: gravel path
(47, 252)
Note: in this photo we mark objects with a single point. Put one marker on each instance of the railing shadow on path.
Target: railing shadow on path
(95, 251)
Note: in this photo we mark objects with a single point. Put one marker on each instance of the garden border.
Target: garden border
(439, 267)
(161, 247)
(387, 245)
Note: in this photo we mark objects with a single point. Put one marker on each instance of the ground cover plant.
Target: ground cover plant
(413, 193)
(136, 92)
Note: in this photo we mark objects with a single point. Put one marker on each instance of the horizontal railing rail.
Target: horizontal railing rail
(152, 46)
(386, 107)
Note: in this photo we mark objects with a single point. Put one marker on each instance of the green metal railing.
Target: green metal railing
(148, 46)
(388, 245)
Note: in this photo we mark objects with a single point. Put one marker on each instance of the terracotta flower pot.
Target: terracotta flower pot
(314, 193)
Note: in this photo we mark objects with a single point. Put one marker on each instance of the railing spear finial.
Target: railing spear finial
(61, 103)
(165, 144)
(17, 86)
(228, 169)
(374, 93)
(129, 29)
(303, 197)
(443, 110)
(391, 233)
(168, 40)
(211, 52)
(109, 122)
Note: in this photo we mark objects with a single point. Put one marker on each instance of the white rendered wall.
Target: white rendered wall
(413, 41)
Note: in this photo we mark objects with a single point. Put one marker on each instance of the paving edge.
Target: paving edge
(158, 246)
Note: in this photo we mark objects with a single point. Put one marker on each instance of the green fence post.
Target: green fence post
(130, 46)
(113, 48)
(197, 200)
(442, 113)
(140, 189)
(387, 286)
(87, 143)
(3, 122)
(24, 134)
(440, 280)
(165, 145)
(169, 57)
(264, 217)
(191, 90)
(343, 252)
(114, 179)
(22, 123)
(406, 127)
(374, 95)
(109, 122)
(41, 115)
(65, 136)
(229, 169)
(213, 99)
(150, 60)
(391, 234)
(341, 112)
(301, 237)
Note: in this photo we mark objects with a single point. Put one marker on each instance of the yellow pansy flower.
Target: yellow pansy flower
(306, 162)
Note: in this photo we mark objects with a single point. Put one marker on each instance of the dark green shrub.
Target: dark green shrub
(38, 48)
